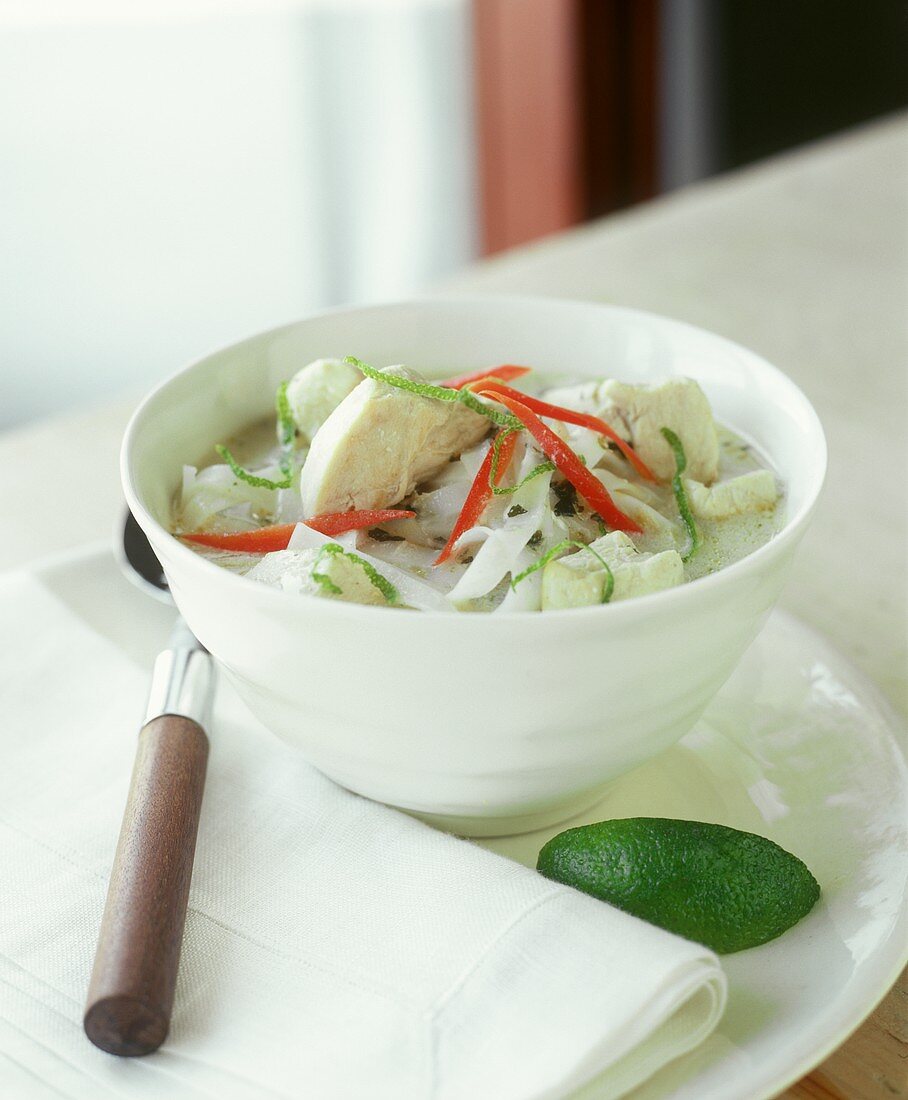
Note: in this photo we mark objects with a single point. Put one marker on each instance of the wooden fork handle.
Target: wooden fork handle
(132, 984)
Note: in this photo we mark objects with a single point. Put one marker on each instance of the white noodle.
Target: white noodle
(499, 552)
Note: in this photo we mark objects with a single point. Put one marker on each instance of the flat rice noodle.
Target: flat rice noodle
(501, 549)
(527, 596)
(438, 510)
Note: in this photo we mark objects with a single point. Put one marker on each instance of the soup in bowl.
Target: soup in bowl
(487, 628)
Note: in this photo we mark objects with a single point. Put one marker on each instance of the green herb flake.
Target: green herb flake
(565, 499)
(253, 479)
(680, 495)
(516, 510)
(608, 586)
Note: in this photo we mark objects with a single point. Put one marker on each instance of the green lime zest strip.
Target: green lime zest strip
(286, 429)
(384, 586)
(680, 495)
(439, 393)
(323, 579)
(422, 389)
(496, 458)
(497, 416)
(608, 587)
(253, 479)
(542, 468)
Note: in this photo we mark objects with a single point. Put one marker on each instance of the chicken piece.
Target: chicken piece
(380, 443)
(639, 412)
(678, 404)
(315, 391)
(578, 580)
(292, 571)
(751, 492)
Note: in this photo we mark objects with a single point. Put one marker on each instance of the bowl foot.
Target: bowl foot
(510, 825)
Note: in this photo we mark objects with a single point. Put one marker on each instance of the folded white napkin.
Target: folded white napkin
(334, 947)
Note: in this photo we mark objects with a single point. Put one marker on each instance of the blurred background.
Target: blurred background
(178, 174)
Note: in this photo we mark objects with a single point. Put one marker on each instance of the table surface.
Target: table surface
(803, 258)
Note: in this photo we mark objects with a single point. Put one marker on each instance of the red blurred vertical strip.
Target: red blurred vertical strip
(530, 128)
(567, 111)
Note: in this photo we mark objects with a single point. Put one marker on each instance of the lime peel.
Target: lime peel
(727, 889)
(680, 495)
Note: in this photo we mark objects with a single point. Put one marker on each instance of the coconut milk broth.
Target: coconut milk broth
(722, 542)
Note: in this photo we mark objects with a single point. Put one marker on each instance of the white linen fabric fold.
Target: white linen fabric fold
(334, 947)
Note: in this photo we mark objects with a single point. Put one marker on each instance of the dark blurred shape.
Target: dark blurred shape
(618, 72)
(790, 71)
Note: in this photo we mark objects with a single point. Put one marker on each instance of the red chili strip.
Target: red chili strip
(480, 491)
(568, 416)
(507, 373)
(260, 541)
(336, 523)
(265, 539)
(587, 485)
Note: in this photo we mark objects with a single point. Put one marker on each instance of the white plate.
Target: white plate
(798, 747)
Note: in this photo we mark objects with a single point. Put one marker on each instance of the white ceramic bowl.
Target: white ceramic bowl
(495, 723)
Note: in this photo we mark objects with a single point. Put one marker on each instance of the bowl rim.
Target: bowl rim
(669, 600)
